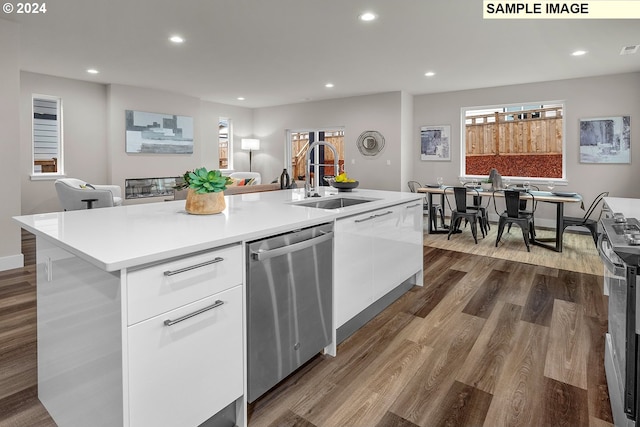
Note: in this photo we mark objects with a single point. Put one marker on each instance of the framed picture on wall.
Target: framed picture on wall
(158, 133)
(435, 143)
(605, 140)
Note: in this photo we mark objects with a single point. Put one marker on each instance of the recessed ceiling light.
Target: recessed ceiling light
(329, 85)
(176, 39)
(579, 52)
(92, 71)
(368, 16)
(429, 74)
(240, 98)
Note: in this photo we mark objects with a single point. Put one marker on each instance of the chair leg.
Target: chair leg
(500, 231)
(532, 230)
(594, 233)
(474, 231)
(525, 236)
(433, 219)
(452, 225)
(441, 216)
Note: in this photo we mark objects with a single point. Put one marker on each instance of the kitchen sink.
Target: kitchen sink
(334, 203)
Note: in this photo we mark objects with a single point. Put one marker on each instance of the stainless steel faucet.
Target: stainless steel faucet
(310, 188)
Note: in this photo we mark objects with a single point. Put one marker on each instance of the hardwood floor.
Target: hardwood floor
(486, 342)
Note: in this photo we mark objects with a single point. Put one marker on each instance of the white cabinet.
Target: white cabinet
(181, 374)
(184, 339)
(397, 246)
(353, 274)
(375, 252)
(163, 287)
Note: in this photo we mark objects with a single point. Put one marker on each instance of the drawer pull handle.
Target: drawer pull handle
(383, 214)
(413, 206)
(193, 267)
(170, 322)
(365, 219)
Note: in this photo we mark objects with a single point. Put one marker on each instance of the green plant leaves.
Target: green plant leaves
(204, 181)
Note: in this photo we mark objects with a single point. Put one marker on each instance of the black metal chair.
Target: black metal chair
(435, 207)
(462, 211)
(586, 221)
(477, 205)
(513, 215)
(524, 211)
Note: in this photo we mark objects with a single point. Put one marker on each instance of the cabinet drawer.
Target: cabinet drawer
(180, 375)
(160, 288)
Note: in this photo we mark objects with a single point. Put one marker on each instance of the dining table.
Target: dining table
(558, 198)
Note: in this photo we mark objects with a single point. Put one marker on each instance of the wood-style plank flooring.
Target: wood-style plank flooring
(485, 342)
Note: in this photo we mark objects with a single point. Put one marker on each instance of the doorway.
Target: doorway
(322, 157)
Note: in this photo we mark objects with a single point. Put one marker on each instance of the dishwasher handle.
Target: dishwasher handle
(262, 255)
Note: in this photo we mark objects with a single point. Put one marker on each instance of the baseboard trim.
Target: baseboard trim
(12, 261)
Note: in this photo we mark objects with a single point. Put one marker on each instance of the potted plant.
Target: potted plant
(206, 191)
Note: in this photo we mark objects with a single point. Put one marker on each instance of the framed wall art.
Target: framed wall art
(605, 140)
(158, 133)
(435, 143)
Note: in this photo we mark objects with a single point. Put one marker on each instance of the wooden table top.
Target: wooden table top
(540, 196)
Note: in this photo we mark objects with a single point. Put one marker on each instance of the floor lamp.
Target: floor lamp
(250, 144)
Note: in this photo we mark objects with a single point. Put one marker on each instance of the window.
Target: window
(225, 144)
(47, 135)
(521, 141)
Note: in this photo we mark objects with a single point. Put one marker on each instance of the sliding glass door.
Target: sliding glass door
(322, 158)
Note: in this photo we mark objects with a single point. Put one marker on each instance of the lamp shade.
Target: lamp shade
(250, 144)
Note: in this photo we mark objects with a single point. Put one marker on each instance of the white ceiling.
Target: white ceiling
(276, 52)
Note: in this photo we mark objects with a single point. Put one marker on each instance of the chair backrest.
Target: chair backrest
(594, 204)
(512, 202)
(413, 186)
(460, 196)
(71, 193)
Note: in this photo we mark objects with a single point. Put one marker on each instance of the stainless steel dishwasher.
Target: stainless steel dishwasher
(289, 298)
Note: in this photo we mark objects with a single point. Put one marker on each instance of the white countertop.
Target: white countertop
(128, 236)
(629, 207)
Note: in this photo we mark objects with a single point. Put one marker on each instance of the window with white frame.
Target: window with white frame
(47, 135)
(518, 140)
(225, 143)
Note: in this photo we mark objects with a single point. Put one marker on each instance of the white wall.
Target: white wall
(10, 256)
(408, 153)
(124, 165)
(614, 95)
(84, 136)
(357, 114)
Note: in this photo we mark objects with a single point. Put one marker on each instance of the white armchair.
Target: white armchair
(75, 194)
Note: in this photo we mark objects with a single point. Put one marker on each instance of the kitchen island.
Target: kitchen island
(111, 281)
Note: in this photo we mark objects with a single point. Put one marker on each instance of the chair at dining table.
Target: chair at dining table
(477, 205)
(435, 207)
(513, 215)
(461, 211)
(586, 221)
(525, 211)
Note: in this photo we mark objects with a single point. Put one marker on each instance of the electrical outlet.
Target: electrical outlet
(353, 161)
(388, 162)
